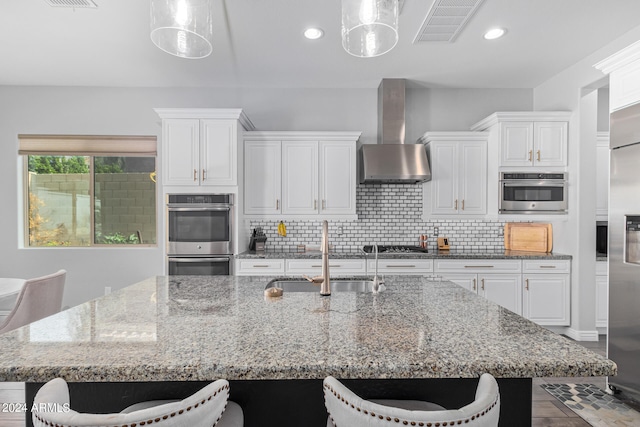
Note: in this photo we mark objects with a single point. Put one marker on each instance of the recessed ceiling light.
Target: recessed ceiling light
(313, 33)
(494, 33)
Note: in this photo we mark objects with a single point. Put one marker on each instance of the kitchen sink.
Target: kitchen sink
(337, 285)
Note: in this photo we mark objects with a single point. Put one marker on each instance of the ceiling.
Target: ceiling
(259, 43)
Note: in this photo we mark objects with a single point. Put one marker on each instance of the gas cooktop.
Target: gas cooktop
(406, 249)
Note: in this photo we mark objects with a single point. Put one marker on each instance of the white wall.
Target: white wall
(572, 90)
(81, 110)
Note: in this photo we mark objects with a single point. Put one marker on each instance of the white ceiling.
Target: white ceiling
(259, 43)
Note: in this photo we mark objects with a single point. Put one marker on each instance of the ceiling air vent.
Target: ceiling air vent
(445, 20)
(72, 3)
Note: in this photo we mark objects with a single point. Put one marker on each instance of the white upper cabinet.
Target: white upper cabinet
(314, 174)
(337, 177)
(200, 146)
(300, 177)
(624, 79)
(458, 172)
(535, 138)
(262, 177)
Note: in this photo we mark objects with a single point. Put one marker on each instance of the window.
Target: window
(89, 190)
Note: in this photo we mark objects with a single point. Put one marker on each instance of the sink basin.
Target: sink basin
(337, 285)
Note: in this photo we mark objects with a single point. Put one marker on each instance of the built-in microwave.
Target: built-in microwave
(533, 192)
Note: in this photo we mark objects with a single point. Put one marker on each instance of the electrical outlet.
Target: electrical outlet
(107, 290)
(340, 230)
(435, 231)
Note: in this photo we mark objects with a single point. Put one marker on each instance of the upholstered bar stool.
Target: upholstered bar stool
(346, 409)
(38, 298)
(207, 407)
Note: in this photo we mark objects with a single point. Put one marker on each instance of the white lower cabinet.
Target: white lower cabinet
(409, 266)
(547, 292)
(337, 267)
(255, 267)
(538, 290)
(602, 295)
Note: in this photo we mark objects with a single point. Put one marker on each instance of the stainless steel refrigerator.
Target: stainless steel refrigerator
(624, 252)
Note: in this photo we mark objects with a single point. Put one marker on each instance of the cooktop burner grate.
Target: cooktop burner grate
(395, 249)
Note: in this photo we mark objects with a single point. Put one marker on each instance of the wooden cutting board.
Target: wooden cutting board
(531, 237)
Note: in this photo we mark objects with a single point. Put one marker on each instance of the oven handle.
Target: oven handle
(197, 209)
(199, 259)
(534, 183)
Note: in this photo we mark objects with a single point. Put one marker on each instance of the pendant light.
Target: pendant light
(369, 27)
(182, 27)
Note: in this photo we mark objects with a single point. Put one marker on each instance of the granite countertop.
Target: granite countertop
(452, 254)
(200, 328)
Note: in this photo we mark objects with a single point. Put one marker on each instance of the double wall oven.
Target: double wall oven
(200, 234)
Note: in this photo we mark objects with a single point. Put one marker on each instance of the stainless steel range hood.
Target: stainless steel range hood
(391, 160)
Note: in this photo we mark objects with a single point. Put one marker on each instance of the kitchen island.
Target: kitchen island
(421, 338)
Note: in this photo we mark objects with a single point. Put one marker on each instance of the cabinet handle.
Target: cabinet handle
(260, 266)
(531, 155)
(195, 175)
(324, 204)
(547, 266)
(478, 266)
(538, 155)
(315, 204)
(462, 204)
(330, 265)
(277, 204)
(203, 177)
(455, 205)
(474, 284)
(400, 266)
(483, 284)
(526, 284)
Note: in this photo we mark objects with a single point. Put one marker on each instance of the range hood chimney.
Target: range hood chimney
(391, 160)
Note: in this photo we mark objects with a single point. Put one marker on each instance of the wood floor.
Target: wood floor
(547, 410)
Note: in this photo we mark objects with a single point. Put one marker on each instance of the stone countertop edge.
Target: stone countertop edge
(430, 255)
(200, 328)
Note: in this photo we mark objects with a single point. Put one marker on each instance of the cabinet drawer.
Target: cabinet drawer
(551, 266)
(249, 267)
(400, 266)
(313, 267)
(478, 266)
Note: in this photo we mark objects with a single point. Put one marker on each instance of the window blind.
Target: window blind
(87, 145)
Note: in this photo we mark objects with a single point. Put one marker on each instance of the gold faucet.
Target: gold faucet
(323, 280)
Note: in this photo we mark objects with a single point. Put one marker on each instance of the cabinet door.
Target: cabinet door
(299, 177)
(516, 144)
(473, 178)
(546, 299)
(602, 301)
(550, 143)
(218, 152)
(180, 151)
(262, 177)
(444, 185)
(503, 289)
(337, 177)
(467, 281)
(602, 177)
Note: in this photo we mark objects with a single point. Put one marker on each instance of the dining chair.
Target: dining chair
(39, 297)
(205, 408)
(346, 409)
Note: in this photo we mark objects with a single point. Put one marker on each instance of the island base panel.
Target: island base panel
(268, 403)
